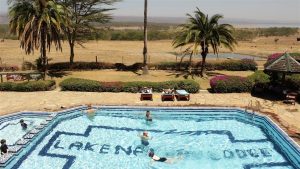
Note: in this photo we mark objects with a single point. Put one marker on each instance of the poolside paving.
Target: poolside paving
(287, 116)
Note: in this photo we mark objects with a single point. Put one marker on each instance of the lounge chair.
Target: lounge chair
(15, 77)
(291, 98)
(168, 94)
(146, 94)
(182, 95)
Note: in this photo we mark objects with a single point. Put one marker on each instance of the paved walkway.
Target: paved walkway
(288, 116)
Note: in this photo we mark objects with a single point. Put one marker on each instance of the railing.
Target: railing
(253, 106)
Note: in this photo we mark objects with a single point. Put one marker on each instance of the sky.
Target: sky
(281, 10)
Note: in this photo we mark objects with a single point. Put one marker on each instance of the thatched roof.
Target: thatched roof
(282, 63)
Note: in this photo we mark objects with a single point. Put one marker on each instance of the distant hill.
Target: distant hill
(179, 20)
(233, 21)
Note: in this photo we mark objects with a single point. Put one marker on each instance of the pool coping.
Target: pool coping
(54, 114)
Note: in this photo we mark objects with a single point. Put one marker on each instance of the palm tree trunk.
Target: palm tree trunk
(204, 53)
(145, 50)
(71, 39)
(190, 63)
(43, 51)
(203, 64)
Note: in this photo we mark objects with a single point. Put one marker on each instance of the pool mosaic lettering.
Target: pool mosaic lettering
(59, 141)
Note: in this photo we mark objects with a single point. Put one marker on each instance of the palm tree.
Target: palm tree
(201, 32)
(145, 50)
(38, 24)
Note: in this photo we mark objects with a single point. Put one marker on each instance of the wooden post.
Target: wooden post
(96, 59)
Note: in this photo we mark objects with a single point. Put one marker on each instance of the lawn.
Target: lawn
(154, 76)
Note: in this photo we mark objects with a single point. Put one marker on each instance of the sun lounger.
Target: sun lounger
(291, 98)
(14, 77)
(182, 95)
(146, 94)
(167, 95)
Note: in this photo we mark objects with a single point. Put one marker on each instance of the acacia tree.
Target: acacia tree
(84, 15)
(38, 24)
(145, 50)
(202, 32)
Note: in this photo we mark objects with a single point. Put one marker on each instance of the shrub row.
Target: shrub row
(230, 84)
(232, 65)
(257, 81)
(260, 79)
(81, 66)
(293, 82)
(75, 84)
(28, 86)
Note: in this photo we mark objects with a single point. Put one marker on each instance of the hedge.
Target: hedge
(293, 82)
(76, 84)
(28, 86)
(230, 84)
(231, 65)
(260, 79)
(81, 66)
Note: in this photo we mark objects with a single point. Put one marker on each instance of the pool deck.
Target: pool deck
(285, 115)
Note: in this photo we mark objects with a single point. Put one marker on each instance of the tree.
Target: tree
(145, 50)
(85, 14)
(38, 24)
(201, 32)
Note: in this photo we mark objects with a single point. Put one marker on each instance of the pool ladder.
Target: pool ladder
(253, 106)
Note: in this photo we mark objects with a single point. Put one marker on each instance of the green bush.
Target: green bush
(232, 65)
(230, 84)
(28, 86)
(293, 82)
(259, 77)
(81, 66)
(75, 84)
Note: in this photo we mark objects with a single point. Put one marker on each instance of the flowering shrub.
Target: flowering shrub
(274, 56)
(230, 84)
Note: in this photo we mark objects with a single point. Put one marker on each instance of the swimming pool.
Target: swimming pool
(216, 138)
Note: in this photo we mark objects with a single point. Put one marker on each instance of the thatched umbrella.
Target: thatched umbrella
(282, 63)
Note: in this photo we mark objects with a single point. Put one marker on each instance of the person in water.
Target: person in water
(90, 112)
(145, 138)
(4, 148)
(163, 159)
(148, 116)
(23, 124)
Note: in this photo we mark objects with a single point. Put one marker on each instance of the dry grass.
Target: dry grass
(131, 51)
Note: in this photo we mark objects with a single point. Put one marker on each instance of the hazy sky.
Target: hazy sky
(288, 10)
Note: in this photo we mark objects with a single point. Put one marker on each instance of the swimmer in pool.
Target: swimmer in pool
(148, 116)
(4, 148)
(163, 159)
(145, 138)
(23, 124)
(90, 112)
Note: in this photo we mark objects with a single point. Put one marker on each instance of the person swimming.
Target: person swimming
(90, 112)
(163, 159)
(4, 148)
(23, 124)
(145, 138)
(148, 116)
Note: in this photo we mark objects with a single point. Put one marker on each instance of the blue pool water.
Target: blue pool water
(11, 130)
(193, 138)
